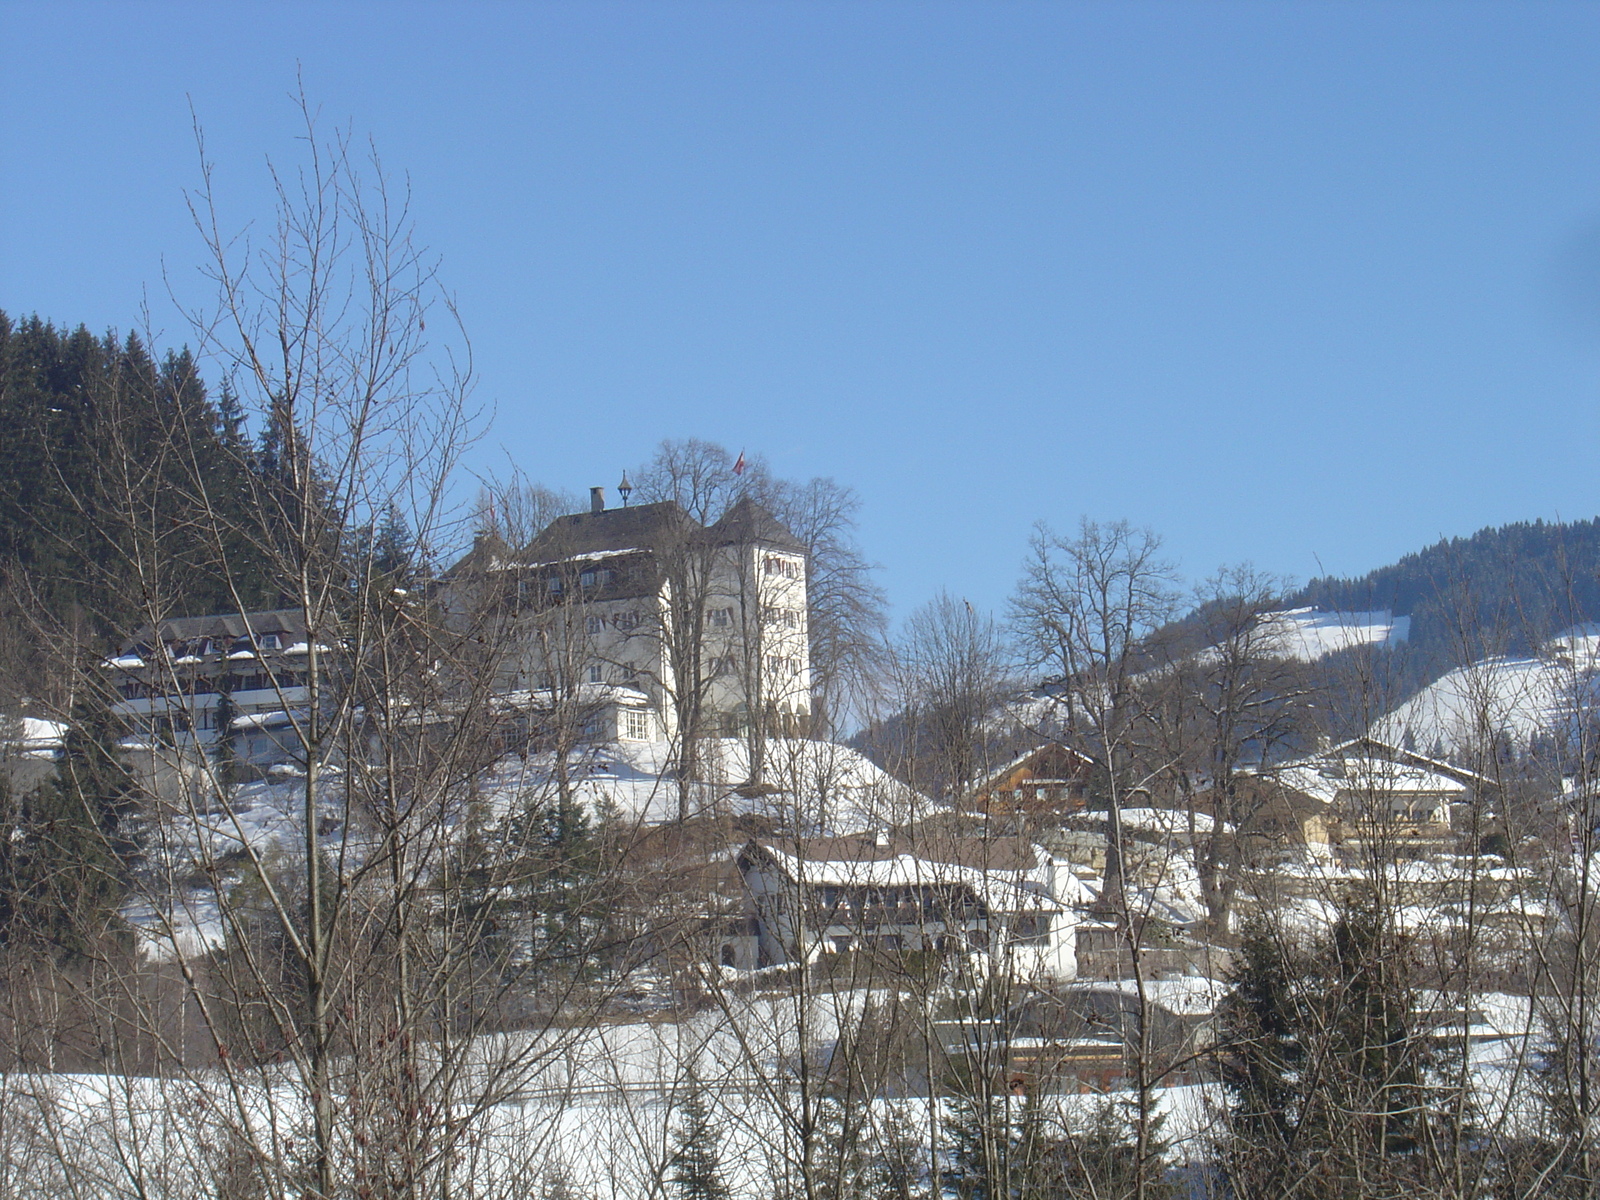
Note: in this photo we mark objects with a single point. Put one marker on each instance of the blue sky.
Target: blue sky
(1308, 284)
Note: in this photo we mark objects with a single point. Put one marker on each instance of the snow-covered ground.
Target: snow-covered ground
(1306, 634)
(1519, 698)
(603, 1117)
(814, 786)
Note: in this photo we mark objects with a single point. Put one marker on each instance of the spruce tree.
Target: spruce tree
(66, 873)
(697, 1164)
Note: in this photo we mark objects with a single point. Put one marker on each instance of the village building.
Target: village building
(205, 682)
(1051, 778)
(1361, 795)
(1084, 1036)
(999, 898)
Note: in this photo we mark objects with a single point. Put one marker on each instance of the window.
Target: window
(783, 618)
(588, 579)
(625, 621)
(594, 625)
(721, 618)
(597, 674)
(271, 641)
(553, 585)
(786, 567)
(636, 724)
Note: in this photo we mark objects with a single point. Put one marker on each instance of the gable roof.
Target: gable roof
(824, 863)
(489, 552)
(974, 853)
(1368, 746)
(1035, 759)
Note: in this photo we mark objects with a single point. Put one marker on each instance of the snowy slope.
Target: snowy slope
(813, 787)
(816, 786)
(1306, 634)
(1519, 698)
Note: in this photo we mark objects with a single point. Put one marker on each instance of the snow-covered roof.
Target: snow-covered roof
(1170, 821)
(1040, 887)
(1185, 995)
(273, 719)
(813, 786)
(584, 693)
(586, 556)
(36, 735)
(1326, 780)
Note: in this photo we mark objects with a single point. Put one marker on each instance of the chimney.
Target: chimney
(597, 500)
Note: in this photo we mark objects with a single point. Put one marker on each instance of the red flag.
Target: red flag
(738, 467)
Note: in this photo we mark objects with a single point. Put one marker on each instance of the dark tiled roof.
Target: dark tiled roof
(748, 522)
(634, 527)
(639, 527)
(226, 625)
(488, 551)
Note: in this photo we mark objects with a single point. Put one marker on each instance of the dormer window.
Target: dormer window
(271, 641)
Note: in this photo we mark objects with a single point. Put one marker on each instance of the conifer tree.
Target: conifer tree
(697, 1165)
(66, 867)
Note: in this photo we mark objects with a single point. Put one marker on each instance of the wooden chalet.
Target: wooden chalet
(1052, 778)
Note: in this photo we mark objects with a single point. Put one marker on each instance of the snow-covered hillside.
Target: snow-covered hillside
(817, 786)
(1305, 634)
(814, 787)
(1517, 698)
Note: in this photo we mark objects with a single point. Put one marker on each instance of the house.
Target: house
(1360, 794)
(189, 682)
(1000, 898)
(1085, 1036)
(1051, 778)
(647, 598)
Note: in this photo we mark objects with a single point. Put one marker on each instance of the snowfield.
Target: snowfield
(1305, 634)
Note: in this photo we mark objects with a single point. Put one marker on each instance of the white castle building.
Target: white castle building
(648, 615)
